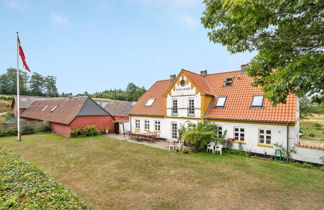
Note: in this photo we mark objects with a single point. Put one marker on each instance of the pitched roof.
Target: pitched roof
(155, 92)
(238, 102)
(239, 96)
(25, 101)
(118, 108)
(63, 110)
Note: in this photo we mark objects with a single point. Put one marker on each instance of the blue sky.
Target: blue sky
(95, 45)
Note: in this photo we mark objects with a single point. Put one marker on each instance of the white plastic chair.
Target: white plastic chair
(211, 147)
(219, 148)
(171, 145)
(180, 145)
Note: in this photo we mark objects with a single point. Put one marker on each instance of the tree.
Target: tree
(50, 86)
(36, 84)
(306, 107)
(8, 82)
(134, 92)
(287, 34)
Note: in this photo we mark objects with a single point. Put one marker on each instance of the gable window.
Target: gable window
(157, 126)
(239, 134)
(257, 101)
(174, 130)
(264, 136)
(191, 108)
(219, 131)
(174, 107)
(137, 124)
(52, 110)
(221, 101)
(44, 108)
(150, 102)
(228, 82)
(147, 125)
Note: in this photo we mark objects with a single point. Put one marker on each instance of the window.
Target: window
(137, 124)
(221, 101)
(239, 134)
(44, 108)
(174, 107)
(150, 102)
(191, 108)
(147, 125)
(228, 82)
(219, 131)
(257, 101)
(264, 136)
(157, 126)
(54, 108)
(174, 130)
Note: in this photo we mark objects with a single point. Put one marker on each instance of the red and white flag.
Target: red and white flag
(22, 55)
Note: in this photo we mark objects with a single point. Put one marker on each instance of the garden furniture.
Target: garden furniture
(218, 148)
(211, 147)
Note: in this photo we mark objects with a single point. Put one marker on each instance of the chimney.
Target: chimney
(243, 68)
(172, 77)
(203, 73)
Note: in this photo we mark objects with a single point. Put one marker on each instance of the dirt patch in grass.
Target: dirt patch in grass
(113, 174)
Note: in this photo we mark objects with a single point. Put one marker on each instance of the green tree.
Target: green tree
(36, 84)
(287, 34)
(8, 82)
(134, 92)
(306, 107)
(50, 86)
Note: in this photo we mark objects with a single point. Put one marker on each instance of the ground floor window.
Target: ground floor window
(174, 130)
(219, 131)
(264, 136)
(157, 125)
(239, 134)
(137, 124)
(147, 125)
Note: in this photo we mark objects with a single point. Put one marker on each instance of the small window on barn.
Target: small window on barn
(257, 101)
(150, 102)
(221, 101)
(45, 107)
(55, 107)
(228, 82)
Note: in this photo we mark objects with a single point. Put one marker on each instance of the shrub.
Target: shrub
(198, 139)
(75, 132)
(24, 186)
(317, 126)
(45, 128)
(90, 130)
(27, 129)
(9, 115)
(311, 135)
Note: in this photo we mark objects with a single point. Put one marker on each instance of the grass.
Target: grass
(309, 129)
(113, 174)
(5, 105)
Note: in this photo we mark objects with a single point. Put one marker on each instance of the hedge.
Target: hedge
(24, 186)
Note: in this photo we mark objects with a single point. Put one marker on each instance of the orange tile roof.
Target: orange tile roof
(158, 106)
(238, 102)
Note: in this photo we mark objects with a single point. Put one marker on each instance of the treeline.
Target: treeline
(36, 84)
(132, 93)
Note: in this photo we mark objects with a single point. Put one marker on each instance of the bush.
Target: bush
(45, 128)
(27, 129)
(75, 132)
(311, 135)
(24, 186)
(90, 130)
(8, 116)
(9, 132)
(198, 139)
(317, 126)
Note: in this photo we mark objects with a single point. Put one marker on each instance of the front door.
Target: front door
(116, 129)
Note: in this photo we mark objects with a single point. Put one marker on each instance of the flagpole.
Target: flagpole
(18, 92)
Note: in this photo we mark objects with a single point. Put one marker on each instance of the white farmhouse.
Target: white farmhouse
(228, 99)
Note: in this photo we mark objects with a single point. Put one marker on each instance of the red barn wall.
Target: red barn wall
(121, 118)
(61, 129)
(101, 122)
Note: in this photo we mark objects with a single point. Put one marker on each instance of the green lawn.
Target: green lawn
(109, 173)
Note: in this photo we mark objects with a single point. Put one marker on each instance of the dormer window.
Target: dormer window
(52, 110)
(257, 101)
(150, 102)
(45, 107)
(221, 101)
(228, 82)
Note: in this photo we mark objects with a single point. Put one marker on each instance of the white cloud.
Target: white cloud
(15, 4)
(60, 20)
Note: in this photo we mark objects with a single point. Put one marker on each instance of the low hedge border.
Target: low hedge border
(24, 186)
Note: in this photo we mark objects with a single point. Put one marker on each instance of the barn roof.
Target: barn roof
(119, 108)
(25, 101)
(63, 110)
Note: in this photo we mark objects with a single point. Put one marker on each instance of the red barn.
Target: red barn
(65, 114)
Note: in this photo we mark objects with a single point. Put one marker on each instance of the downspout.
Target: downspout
(287, 142)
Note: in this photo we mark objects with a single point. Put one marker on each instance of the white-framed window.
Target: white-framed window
(137, 124)
(157, 125)
(221, 101)
(174, 130)
(55, 107)
(45, 107)
(150, 102)
(257, 101)
(228, 82)
(191, 107)
(219, 131)
(174, 107)
(147, 125)
(264, 136)
(239, 133)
